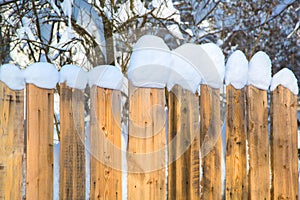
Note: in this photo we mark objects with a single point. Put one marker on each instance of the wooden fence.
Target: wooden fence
(261, 162)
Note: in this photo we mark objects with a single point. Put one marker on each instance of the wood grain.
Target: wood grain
(184, 145)
(40, 112)
(210, 143)
(11, 142)
(72, 148)
(236, 135)
(258, 144)
(106, 154)
(146, 144)
(284, 159)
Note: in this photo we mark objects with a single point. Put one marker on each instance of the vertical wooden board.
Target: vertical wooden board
(106, 154)
(146, 144)
(184, 145)
(236, 159)
(284, 152)
(258, 144)
(72, 148)
(40, 112)
(11, 142)
(210, 143)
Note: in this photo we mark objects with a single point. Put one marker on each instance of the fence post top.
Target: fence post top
(12, 76)
(287, 79)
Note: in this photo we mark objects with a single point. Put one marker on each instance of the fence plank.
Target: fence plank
(210, 143)
(236, 159)
(40, 112)
(284, 144)
(11, 142)
(258, 144)
(72, 149)
(146, 142)
(184, 145)
(106, 154)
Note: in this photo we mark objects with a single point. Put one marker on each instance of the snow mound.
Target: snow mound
(213, 65)
(73, 76)
(149, 62)
(12, 76)
(236, 72)
(184, 69)
(287, 79)
(153, 65)
(259, 72)
(106, 76)
(42, 74)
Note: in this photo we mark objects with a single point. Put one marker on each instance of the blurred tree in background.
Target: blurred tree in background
(92, 32)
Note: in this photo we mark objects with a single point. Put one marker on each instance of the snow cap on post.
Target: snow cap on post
(287, 79)
(73, 76)
(184, 67)
(12, 76)
(42, 74)
(106, 76)
(149, 62)
(213, 65)
(259, 72)
(236, 72)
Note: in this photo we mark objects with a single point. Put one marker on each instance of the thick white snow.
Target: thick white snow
(184, 68)
(42, 74)
(236, 72)
(73, 76)
(205, 65)
(150, 41)
(259, 71)
(153, 65)
(106, 76)
(213, 65)
(12, 76)
(149, 62)
(287, 79)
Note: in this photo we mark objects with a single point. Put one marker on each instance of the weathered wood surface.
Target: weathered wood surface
(184, 145)
(258, 144)
(284, 152)
(210, 143)
(11, 142)
(105, 138)
(40, 112)
(146, 144)
(72, 148)
(236, 135)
